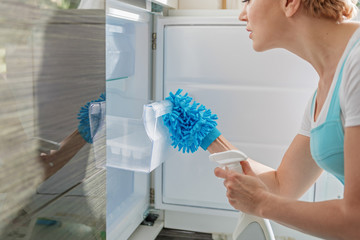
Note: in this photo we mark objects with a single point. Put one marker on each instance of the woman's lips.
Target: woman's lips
(250, 35)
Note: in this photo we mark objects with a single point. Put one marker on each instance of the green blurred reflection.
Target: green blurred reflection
(52, 62)
(60, 4)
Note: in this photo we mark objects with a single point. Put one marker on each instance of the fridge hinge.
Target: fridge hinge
(152, 195)
(150, 217)
(154, 41)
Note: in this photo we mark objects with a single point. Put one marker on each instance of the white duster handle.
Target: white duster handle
(231, 159)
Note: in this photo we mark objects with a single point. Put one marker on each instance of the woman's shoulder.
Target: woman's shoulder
(350, 87)
(354, 47)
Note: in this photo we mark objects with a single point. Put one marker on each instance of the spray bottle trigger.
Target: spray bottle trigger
(230, 159)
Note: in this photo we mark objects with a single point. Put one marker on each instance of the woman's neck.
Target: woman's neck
(321, 42)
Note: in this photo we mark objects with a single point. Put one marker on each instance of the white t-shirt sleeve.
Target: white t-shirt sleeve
(306, 121)
(350, 99)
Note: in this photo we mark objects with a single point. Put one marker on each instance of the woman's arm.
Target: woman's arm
(296, 173)
(334, 219)
(54, 161)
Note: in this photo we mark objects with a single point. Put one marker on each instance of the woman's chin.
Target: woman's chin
(259, 47)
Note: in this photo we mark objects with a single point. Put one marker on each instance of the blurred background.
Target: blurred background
(52, 62)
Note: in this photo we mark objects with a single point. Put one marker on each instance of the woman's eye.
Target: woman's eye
(244, 1)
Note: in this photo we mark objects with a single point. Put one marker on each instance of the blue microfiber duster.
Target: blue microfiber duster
(190, 125)
(83, 116)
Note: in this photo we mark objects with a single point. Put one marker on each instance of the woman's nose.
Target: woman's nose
(242, 16)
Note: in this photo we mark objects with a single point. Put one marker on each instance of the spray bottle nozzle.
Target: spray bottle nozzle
(230, 159)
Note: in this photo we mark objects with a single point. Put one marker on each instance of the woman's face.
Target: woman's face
(264, 20)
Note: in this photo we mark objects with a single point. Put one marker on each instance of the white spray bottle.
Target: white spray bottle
(248, 226)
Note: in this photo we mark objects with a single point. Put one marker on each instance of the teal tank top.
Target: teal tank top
(327, 140)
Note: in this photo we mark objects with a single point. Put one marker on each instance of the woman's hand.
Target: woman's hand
(48, 162)
(246, 192)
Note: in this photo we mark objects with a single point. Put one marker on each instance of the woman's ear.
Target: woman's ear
(291, 7)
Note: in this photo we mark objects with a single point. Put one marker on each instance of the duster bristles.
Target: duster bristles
(188, 124)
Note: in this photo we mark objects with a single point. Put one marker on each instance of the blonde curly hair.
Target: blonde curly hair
(338, 10)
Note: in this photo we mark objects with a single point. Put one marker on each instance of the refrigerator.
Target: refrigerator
(259, 98)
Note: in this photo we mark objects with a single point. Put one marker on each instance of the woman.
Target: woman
(317, 31)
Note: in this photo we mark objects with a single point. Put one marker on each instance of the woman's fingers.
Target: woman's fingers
(247, 168)
(221, 173)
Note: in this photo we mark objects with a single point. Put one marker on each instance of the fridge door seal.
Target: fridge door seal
(128, 82)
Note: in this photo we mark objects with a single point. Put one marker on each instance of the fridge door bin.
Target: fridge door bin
(129, 146)
(97, 112)
(120, 52)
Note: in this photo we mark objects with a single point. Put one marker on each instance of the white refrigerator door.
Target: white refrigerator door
(128, 87)
(259, 98)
